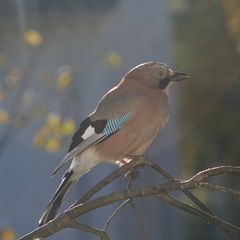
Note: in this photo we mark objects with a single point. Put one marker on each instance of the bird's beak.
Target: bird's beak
(178, 76)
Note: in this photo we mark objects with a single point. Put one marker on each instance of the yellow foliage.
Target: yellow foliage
(232, 11)
(113, 59)
(2, 95)
(4, 117)
(64, 77)
(53, 120)
(39, 140)
(8, 234)
(33, 37)
(44, 130)
(68, 127)
(50, 136)
(53, 145)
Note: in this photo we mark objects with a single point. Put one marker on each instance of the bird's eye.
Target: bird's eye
(159, 73)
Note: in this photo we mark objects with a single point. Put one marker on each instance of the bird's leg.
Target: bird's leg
(133, 173)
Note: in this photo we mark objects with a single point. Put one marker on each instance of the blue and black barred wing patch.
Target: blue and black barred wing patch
(114, 124)
(91, 133)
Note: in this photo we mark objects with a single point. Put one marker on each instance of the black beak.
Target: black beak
(179, 76)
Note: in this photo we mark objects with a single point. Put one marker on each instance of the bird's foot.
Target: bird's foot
(132, 174)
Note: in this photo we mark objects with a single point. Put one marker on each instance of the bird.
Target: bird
(124, 123)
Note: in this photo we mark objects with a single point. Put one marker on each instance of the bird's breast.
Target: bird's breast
(138, 133)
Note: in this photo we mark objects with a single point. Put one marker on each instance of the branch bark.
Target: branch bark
(162, 190)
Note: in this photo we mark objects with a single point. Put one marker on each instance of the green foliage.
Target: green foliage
(210, 101)
(207, 48)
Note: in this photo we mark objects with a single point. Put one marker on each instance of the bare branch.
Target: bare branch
(137, 161)
(86, 205)
(167, 175)
(136, 211)
(210, 172)
(116, 174)
(86, 228)
(220, 188)
(116, 211)
(231, 230)
(139, 219)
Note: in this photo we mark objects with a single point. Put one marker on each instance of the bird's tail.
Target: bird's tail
(55, 203)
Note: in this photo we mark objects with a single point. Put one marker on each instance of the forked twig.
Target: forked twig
(233, 192)
(85, 204)
(86, 228)
(232, 231)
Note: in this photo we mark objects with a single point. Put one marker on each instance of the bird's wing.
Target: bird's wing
(92, 132)
(113, 111)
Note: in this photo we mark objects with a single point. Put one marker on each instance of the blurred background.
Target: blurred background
(58, 57)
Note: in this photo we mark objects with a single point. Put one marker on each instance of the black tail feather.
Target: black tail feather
(57, 199)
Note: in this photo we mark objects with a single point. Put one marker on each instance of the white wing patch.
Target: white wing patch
(88, 132)
(90, 138)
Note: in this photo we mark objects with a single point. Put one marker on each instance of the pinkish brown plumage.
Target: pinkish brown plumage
(124, 123)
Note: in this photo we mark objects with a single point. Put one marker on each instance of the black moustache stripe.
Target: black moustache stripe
(164, 83)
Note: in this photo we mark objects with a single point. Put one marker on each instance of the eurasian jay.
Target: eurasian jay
(124, 123)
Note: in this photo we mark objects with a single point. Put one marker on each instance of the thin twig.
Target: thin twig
(103, 183)
(139, 219)
(86, 228)
(137, 213)
(137, 161)
(188, 193)
(233, 192)
(210, 172)
(115, 212)
(231, 230)
(70, 215)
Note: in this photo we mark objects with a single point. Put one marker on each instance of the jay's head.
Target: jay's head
(155, 75)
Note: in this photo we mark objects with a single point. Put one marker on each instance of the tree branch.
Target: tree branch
(220, 188)
(137, 161)
(137, 213)
(163, 190)
(231, 230)
(115, 212)
(86, 228)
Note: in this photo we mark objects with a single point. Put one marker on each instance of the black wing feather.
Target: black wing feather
(77, 137)
(98, 126)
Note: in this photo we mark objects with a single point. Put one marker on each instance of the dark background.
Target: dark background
(57, 58)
